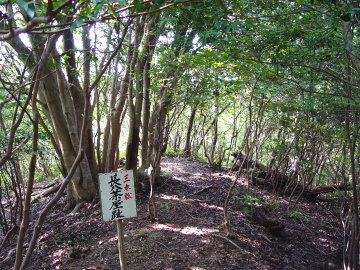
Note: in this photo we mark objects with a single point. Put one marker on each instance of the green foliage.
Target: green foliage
(27, 7)
(297, 214)
(280, 63)
(275, 206)
(248, 202)
(164, 205)
(90, 12)
(138, 5)
(172, 153)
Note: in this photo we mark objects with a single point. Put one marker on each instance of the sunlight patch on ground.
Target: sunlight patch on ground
(197, 176)
(188, 230)
(197, 231)
(112, 239)
(168, 197)
(212, 206)
(196, 268)
(325, 242)
(57, 257)
(172, 166)
(176, 164)
(176, 198)
(181, 168)
(185, 179)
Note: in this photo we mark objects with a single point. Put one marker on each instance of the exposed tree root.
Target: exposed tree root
(260, 215)
(234, 244)
(77, 207)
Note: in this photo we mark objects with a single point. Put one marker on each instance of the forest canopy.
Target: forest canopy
(87, 85)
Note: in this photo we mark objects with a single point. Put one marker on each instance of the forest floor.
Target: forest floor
(188, 233)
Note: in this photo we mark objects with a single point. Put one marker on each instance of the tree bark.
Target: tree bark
(134, 108)
(352, 248)
(62, 116)
(187, 150)
(149, 48)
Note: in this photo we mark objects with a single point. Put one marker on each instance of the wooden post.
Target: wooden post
(117, 194)
(121, 246)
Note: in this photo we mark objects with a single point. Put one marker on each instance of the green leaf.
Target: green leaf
(137, 5)
(97, 9)
(78, 22)
(220, 3)
(121, 2)
(27, 7)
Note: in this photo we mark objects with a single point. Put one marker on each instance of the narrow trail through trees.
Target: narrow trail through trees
(188, 233)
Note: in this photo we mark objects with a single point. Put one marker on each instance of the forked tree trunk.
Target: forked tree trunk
(144, 43)
(64, 120)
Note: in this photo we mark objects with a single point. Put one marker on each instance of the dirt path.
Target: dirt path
(188, 233)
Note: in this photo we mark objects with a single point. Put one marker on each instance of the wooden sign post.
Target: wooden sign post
(117, 194)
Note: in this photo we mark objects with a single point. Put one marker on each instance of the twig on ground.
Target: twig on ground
(7, 236)
(162, 244)
(200, 191)
(9, 256)
(234, 244)
(265, 237)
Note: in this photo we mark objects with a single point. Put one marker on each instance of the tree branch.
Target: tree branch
(12, 32)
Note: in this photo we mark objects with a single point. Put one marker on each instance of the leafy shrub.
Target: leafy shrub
(249, 202)
(297, 214)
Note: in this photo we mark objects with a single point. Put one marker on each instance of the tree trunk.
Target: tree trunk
(145, 119)
(62, 116)
(149, 47)
(134, 108)
(146, 37)
(214, 141)
(352, 249)
(187, 150)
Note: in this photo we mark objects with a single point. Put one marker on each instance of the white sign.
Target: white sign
(117, 194)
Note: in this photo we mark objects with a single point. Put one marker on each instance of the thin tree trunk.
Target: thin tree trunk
(134, 108)
(187, 150)
(114, 122)
(145, 119)
(29, 187)
(352, 248)
(89, 143)
(214, 142)
(149, 47)
(32, 166)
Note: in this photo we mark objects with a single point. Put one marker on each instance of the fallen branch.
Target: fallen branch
(46, 193)
(313, 192)
(47, 185)
(9, 256)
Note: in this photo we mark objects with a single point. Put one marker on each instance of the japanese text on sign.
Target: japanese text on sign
(117, 194)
